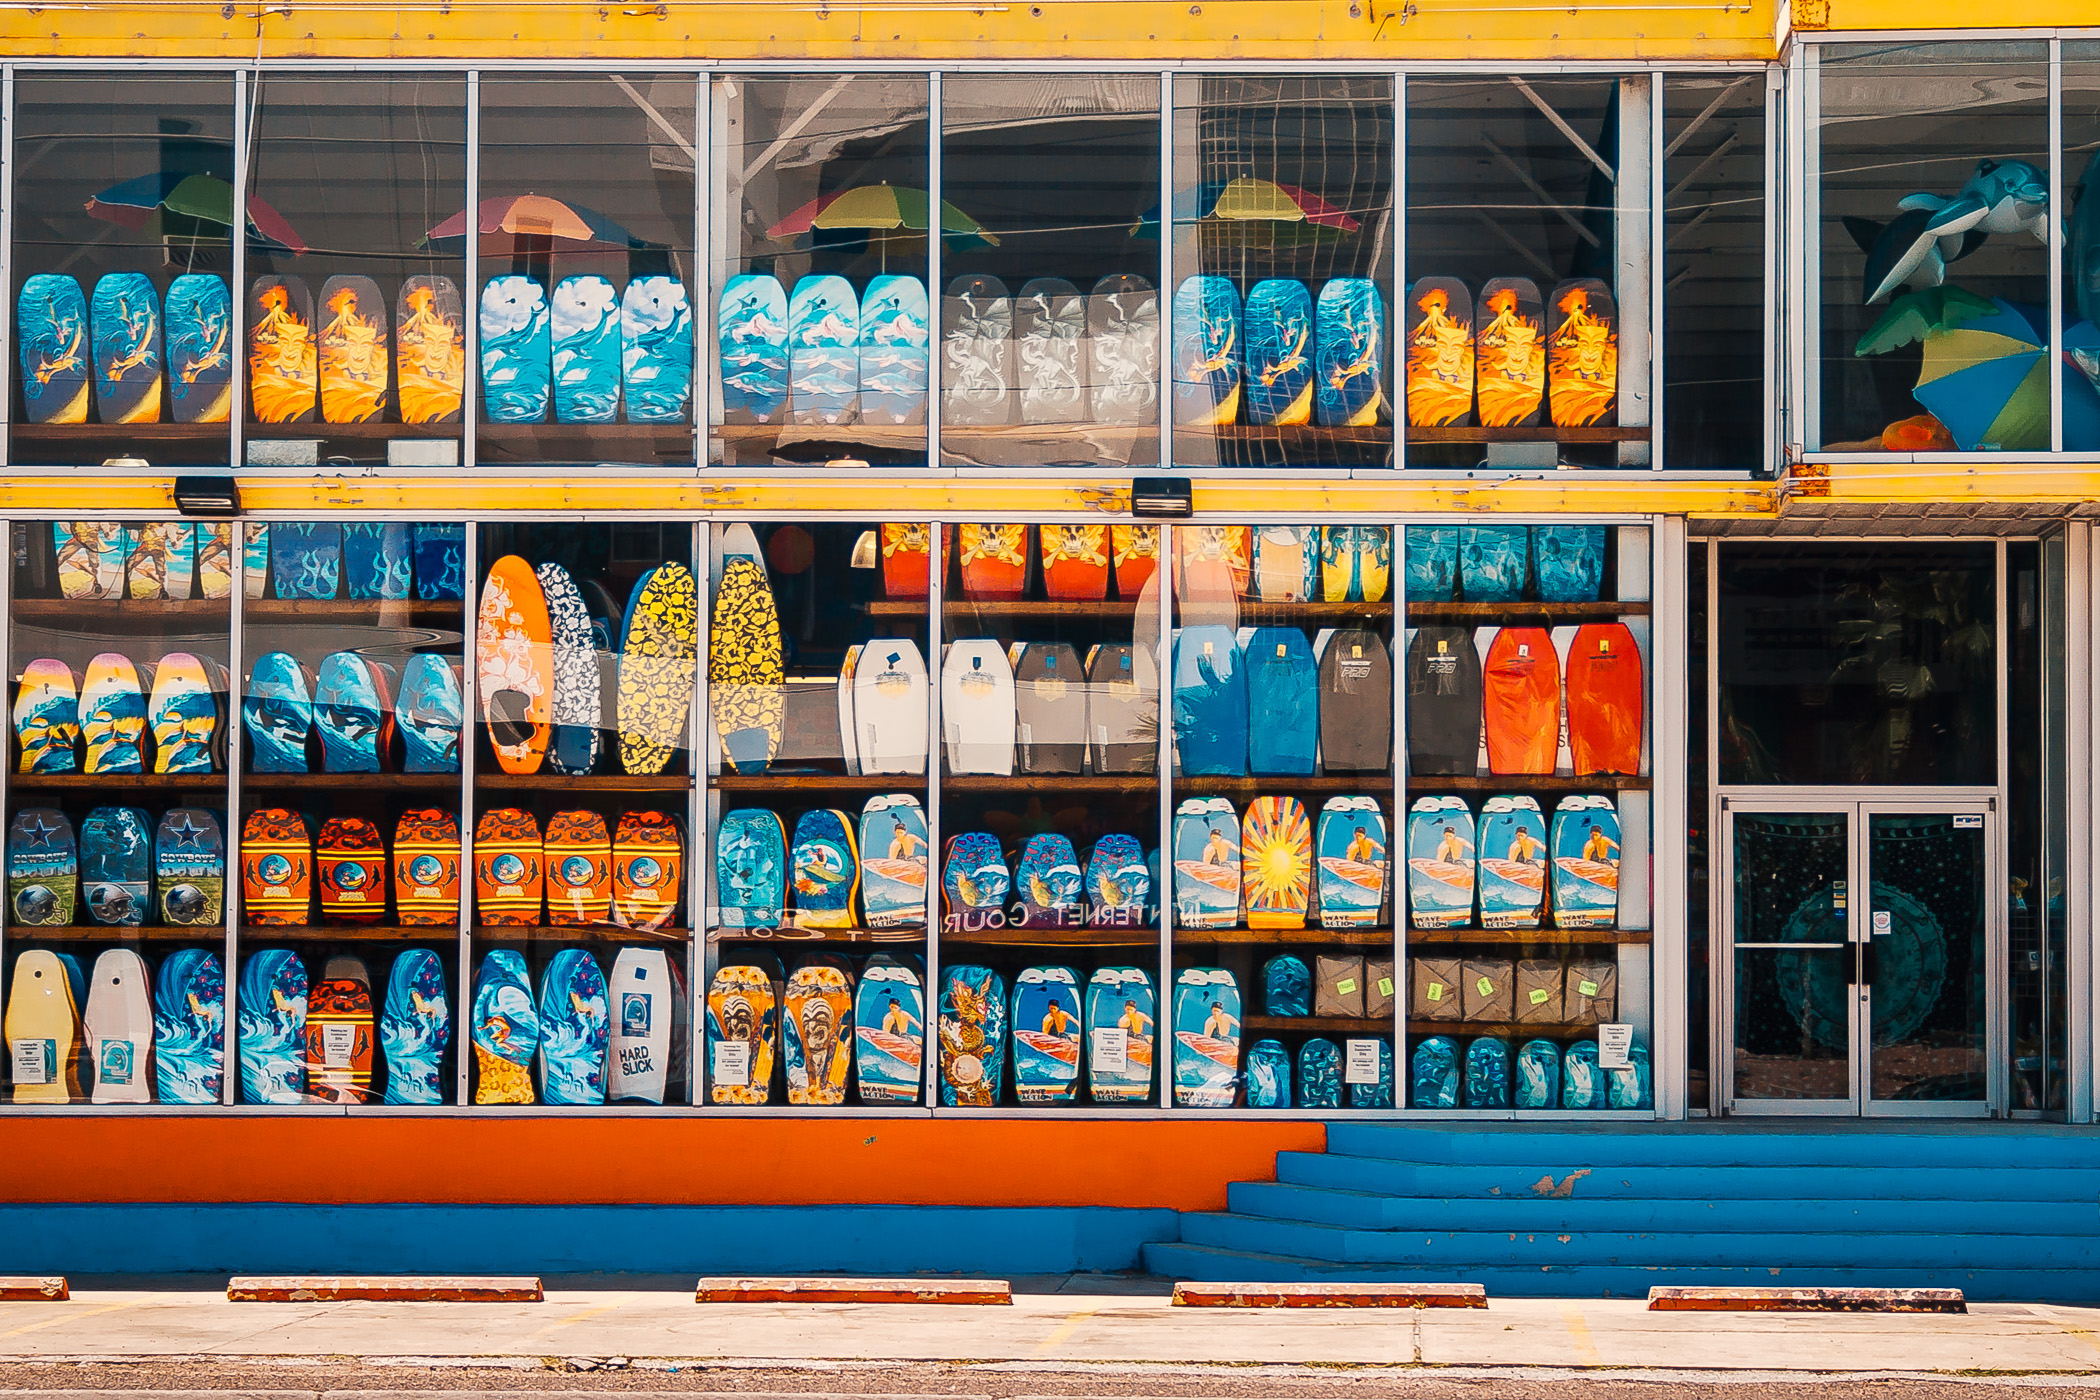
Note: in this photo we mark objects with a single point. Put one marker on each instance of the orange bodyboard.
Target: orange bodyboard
(339, 1029)
(277, 868)
(1230, 545)
(1134, 552)
(509, 868)
(1606, 695)
(351, 861)
(1520, 700)
(1075, 561)
(904, 551)
(994, 560)
(426, 869)
(1439, 353)
(579, 869)
(648, 868)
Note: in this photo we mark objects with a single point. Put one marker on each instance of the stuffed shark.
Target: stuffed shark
(1913, 250)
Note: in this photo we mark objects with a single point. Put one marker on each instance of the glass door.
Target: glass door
(1923, 961)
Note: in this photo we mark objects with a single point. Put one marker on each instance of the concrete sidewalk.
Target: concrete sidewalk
(1051, 1325)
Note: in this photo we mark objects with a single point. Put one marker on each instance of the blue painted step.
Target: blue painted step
(1621, 1143)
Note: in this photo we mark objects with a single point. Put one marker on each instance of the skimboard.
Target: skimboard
(977, 707)
(116, 866)
(1585, 848)
(517, 350)
(894, 350)
(1351, 844)
(284, 367)
(340, 1033)
(743, 1032)
(1356, 703)
(1119, 891)
(816, 1031)
(1268, 1075)
(51, 330)
(1512, 862)
(1441, 863)
(1050, 347)
(1046, 1031)
(1349, 354)
(350, 714)
(43, 869)
(306, 559)
(1122, 350)
(163, 561)
(751, 869)
(1520, 701)
(189, 868)
(1443, 703)
(1050, 708)
(1605, 694)
(429, 715)
(905, 554)
(1122, 708)
(1206, 1038)
(1432, 563)
(575, 1029)
(994, 561)
(1276, 861)
(648, 870)
(583, 320)
(510, 880)
(972, 1036)
(1510, 351)
(1582, 354)
(1075, 561)
(1279, 324)
(1493, 561)
(646, 1058)
(889, 707)
(1319, 1074)
(1133, 554)
(43, 1027)
(1283, 702)
(744, 668)
(514, 652)
(889, 1026)
(823, 343)
(112, 716)
(277, 868)
(1440, 353)
(430, 356)
(1569, 561)
(118, 1030)
(255, 558)
(77, 553)
(47, 717)
(189, 1025)
(351, 869)
(440, 553)
(895, 853)
(506, 1029)
(751, 325)
(1210, 702)
(124, 324)
(975, 882)
(577, 851)
(378, 559)
(1121, 1015)
(353, 353)
(659, 654)
(426, 868)
(1286, 987)
(1207, 863)
(273, 1027)
(656, 352)
(1049, 888)
(825, 865)
(1202, 551)
(576, 711)
(1207, 352)
(1287, 563)
(977, 330)
(415, 1028)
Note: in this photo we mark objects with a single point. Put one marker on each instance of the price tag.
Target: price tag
(1540, 996)
(1485, 986)
(32, 1059)
(337, 1042)
(1345, 986)
(1434, 991)
(1361, 1066)
(1587, 987)
(1111, 1049)
(1970, 821)
(1614, 1044)
(1385, 986)
(733, 1063)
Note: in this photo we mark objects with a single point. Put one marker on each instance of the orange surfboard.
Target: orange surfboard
(514, 647)
(510, 878)
(1520, 698)
(1075, 561)
(579, 869)
(426, 868)
(1606, 693)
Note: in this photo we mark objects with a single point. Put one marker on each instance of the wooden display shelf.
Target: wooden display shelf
(115, 933)
(98, 782)
(1550, 612)
(1526, 782)
(391, 612)
(113, 614)
(1054, 938)
(348, 933)
(816, 782)
(584, 782)
(592, 933)
(352, 782)
(1541, 936)
(640, 443)
(1543, 432)
(805, 937)
(119, 434)
(1267, 785)
(349, 432)
(1251, 611)
(1314, 1025)
(1292, 937)
(1510, 1030)
(1060, 782)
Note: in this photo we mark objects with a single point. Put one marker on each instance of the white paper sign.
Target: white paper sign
(32, 1061)
(337, 1043)
(1883, 922)
(1111, 1049)
(733, 1063)
(1614, 1045)
(1361, 1067)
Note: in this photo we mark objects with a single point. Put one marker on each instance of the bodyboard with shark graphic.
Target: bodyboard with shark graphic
(974, 881)
(429, 714)
(1279, 334)
(1122, 350)
(284, 365)
(1441, 863)
(506, 1029)
(1510, 351)
(894, 855)
(1585, 849)
(430, 355)
(1122, 1017)
(1276, 862)
(341, 1030)
(51, 335)
(1440, 353)
(273, 1027)
(415, 1028)
(575, 1029)
(1605, 698)
(47, 717)
(977, 708)
(112, 716)
(277, 868)
(751, 339)
(355, 372)
(1206, 1038)
(43, 869)
(816, 1031)
(124, 322)
(823, 342)
(1050, 350)
(889, 1027)
(1520, 701)
(577, 849)
(1350, 842)
(889, 706)
(656, 350)
(659, 654)
(517, 350)
(646, 1058)
(306, 559)
(510, 880)
(426, 868)
(1050, 708)
(743, 1031)
(1582, 355)
(826, 870)
(648, 869)
(189, 868)
(514, 651)
(583, 322)
(744, 668)
(1286, 566)
(43, 1027)
(189, 1023)
(1512, 862)
(351, 714)
(118, 1029)
(1356, 703)
(1046, 1033)
(199, 313)
(1349, 354)
(972, 1036)
(1207, 863)
(1049, 888)
(578, 688)
(1075, 561)
(1207, 352)
(351, 871)
(1210, 702)
(1443, 702)
(751, 869)
(1283, 702)
(116, 865)
(977, 333)
(894, 350)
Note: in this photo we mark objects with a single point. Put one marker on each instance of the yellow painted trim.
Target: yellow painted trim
(1901, 481)
(1867, 15)
(909, 30)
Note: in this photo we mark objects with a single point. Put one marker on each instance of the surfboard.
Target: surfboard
(440, 562)
(977, 707)
(648, 869)
(1075, 561)
(377, 559)
(347, 714)
(340, 1033)
(1349, 354)
(51, 329)
(1605, 696)
(1286, 564)
(506, 1032)
(1206, 1038)
(644, 1060)
(1512, 862)
(426, 868)
(1122, 326)
(189, 1021)
(1569, 561)
(429, 715)
(656, 351)
(743, 1031)
(744, 667)
(823, 344)
(47, 717)
(816, 1026)
(353, 351)
(284, 368)
(659, 653)
(1199, 550)
(1283, 703)
(751, 869)
(889, 706)
(895, 852)
(889, 1022)
(112, 716)
(255, 558)
(1443, 702)
(1582, 354)
(1441, 863)
(1210, 702)
(1050, 351)
(1134, 557)
(430, 359)
(514, 651)
(1121, 1012)
(510, 882)
(1122, 704)
(975, 881)
(517, 350)
(1207, 352)
(1432, 563)
(1510, 350)
(124, 325)
(1119, 891)
(1051, 891)
(1279, 367)
(994, 561)
(1050, 704)
(894, 350)
(751, 327)
(189, 868)
(826, 870)
(905, 553)
(1493, 561)
(43, 1028)
(273, 1027)
(1207, 863)
(1585, 845)
(118, 1031)
(577, 851)
(277, 868)
(1351, 862)
(43, 868)
(977, 328)
(583, 322)
(575, 707)
(350, 861)
(1440, 353)
(575, 1029)
(1276, 856)
(1268, 1075)
(116, 865)
(1046, 1035)
(1319, 1074)
(415, 1028)
(1520, 701)
(1356, 703)
(972, 1036)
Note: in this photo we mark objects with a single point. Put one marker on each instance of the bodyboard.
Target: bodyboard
(659, 654)
(648, 869)
(744, 667)
(1207, 1038)
(43, 1029)
(43, 869)
(577, 850)
(1283, 702)
(199, 313)
(415, 1028)
(340, 1033)
(377, 559)
(1121, 1015)
(816, 1026)
(510, 880)
(1605, 696)
(430, 354)
(1276, 862)
(1356, 703)
(351, 866)
(1443, 703)
(1050, 702)
(1520, 701)
(894, 855)
(1075, 561)
(1350, 842)
(1050, 890)
(895, 342)
(353, 352)
(647, 997)
(972, 1036)
(118, 1029)
(284, 367)
(1122, 328)
(751, 324)
(1210, 702)
(124, 323)
(189, 1024)
(1493, 561)
(575, 1029)
(1122, 708)
(1349, 354)
(116, 865)
(426, 868)
(1134, 556)
(994, 561)
(429, 714)
(112, 716)
(1569, 560)
(514, 651)
(977, 708)
(1440, 353)
(1207, 863)
(824, 352)
(1319, 1074)
(889, 706)
(1286, 987)
(576, 711)
(905, 551)
(1512, 862)
(306, 559)
(214, 573)
(51, 335)
(517, 351)
(273, 1027)
(1585, 847)
(1287, 563)
(1201, 551)
(1442, 863)
(1119, 884)
(506, 1029)
(889, 1026)
(1511, 352)
(1268, 1075)
(1279, 325)
(440, 562)
(348, 714)
(826, 870)
(277, 868)
(743, 1032)
(583, 322)
(974, 883)
(751, 869)
(656, 355)
(1432, 563)
(1582, 355)
(977, 330)
(1207, 352)
(1050, 347)
(47, 718)
(1046, 1029)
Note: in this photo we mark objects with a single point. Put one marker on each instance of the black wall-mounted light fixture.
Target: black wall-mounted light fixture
(207, 495)
(1169, 496)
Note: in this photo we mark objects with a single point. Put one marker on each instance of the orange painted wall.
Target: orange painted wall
(584, 1160)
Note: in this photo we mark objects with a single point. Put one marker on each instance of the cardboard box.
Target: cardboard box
(1489, 988)
(1434, 994)
(1379, 986)
(1593, 990)
(1541, 991)
(1338, 986)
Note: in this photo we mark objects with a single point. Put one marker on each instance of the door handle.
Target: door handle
(1869, 961)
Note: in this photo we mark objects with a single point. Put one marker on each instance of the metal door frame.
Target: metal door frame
(1859, 805)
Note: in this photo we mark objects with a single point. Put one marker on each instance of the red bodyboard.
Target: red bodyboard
(1520, 698)
(1606, 692)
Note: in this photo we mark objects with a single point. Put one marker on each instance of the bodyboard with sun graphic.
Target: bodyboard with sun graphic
(353, 350)
(1582, 355)
(1441, 863)
(1510, 353)
(1047, 1041)
(1440, 356)
(284, 370)
(1585, 846)
(1276, 862)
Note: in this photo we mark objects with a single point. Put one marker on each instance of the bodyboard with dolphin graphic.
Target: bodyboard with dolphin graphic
(1520, 701)
(47, 717)
(889, 706)
(1585, 847)
(977, 333)
(341, 1029)
(816, 1031)
(199, 313)
(1122, 1017)
(994, 561)
(1441, 863)
(284, 364)
(826, 870)
(116, 866)
(429, 715)
(1582, 355)
(1349, 354)
(1049, 888)
(1440, 353)
(43, 869)
(751, 869)
(751, 339)
(977, 707)
(277, 868)
(43, 1028)
(1122, 708)
(894, 855)
(1276, 861)
(823, 342)
(575, 1029)
(1512, 862)
(577, 849)
(889, 1027)
(514, 654)
(974, 881)
(1283, 702)
(1287, 562)
(743, 1031)
(510, 878)
(272, 1005)
(648, 869)
(1443, 703)
(1046, 1031)
(506, 1029)
(1350, 841)
(348, 714)
(1207, 863)
(1122, 350)
(118, 1029)
(377, 559)
(583, 322)
(355, 373)
(51, 335)
(112, 716)
(576, 710)
(645, 1061)
(1356, 703)
(517, 350)
(426, 868)
(745, 674)
(189, 1024)
(430, 356)
(415, 1028)
(972, 1036)
(1119, 884)
(1279, 369)
(1050, 705)
(1050, 350)
(1510, 351)
(1206, 1038)
(124, 322)
(350, 869)
(656, 350)
(894, 350)
(1210, 702)
(1208, 357)
(1605, 697)
(1075, 561)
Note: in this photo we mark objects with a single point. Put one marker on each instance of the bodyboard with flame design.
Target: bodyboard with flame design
(1582, 355)
(377, 559)
(816, 1031)
(277, 868)
(578, 850)
(284, 365)
(353, 350)
(1047, 1041)
(350, 859)
(1440, 353)
(1207, 352)
(51, 333)
(1075, 561)
(1279, 321)
(124, 321)
(743, 1031)
(510, 880)
(1349, 354)
(339, 1032)
(430, 349)
(1510, 352)
(426, 868)
(199, 313)
(889, 1028)
(648, 855)
(994, 561)
(306, 559)
(514, 650)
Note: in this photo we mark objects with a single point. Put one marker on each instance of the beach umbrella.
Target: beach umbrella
(879, 210)
(143, 203)
(1248, 200)
(537, 223)
(1987, 379)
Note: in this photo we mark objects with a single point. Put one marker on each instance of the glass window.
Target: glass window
(1529, 750)
(818, 222)
(586, 655)
(356, 335)
(122, 253)
(1715, 328)
(1857, 664)
(349, 827)
(2080, 181)
(823, 843)
(1283, 271)
(1932, 214)
(1044, 313)
(1525, 324)
(116, 901)
(586, 268)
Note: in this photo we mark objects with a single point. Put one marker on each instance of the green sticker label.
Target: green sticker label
(1539, 996)
(1588, 989)
(1345, 986)
(1485, 986)
(1435, 991)
(1385, 986)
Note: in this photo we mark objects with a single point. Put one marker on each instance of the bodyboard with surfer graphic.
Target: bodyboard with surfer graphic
(1207, 863)
(284, 367)
(1206, 1038)
(1350, 845)
(825, 864)
(889, 1026)
(1512, 862)
(894, 856)
(1046, 1031)
(1122, 1016)
(1585, 845)
(1441, 863)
